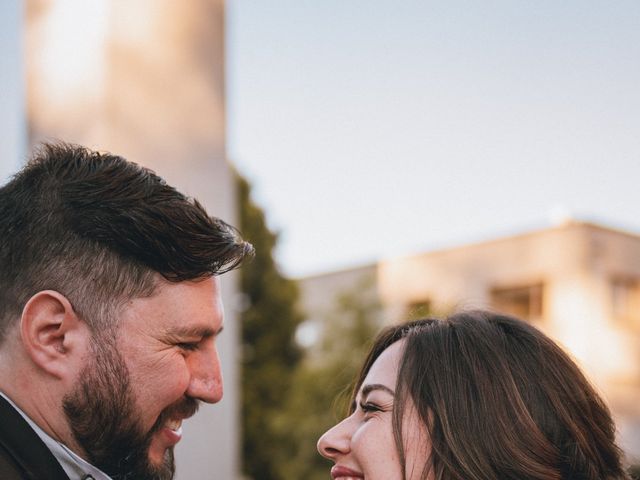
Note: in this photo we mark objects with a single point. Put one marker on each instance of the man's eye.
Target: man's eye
(188, 346)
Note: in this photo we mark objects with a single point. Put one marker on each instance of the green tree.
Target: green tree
(323, 381)
(270, 354)
(288, 401)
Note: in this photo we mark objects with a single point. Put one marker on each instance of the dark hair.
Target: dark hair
(499, 400)
(98, 228)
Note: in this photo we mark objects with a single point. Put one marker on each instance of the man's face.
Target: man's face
(127, 408)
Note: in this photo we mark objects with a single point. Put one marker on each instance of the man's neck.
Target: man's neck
(73, 465)
(37, 398)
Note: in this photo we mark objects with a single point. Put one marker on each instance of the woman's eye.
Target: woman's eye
(370, 407)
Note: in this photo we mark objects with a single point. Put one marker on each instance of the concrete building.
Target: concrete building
(143, 79)
(578, 282)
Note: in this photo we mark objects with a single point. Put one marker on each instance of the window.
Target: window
(524, 302)
(625, 300)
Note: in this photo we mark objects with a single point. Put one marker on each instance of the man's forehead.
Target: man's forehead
(188, 308)
(191, 292)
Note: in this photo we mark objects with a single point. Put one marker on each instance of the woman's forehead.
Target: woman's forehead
(384, 370)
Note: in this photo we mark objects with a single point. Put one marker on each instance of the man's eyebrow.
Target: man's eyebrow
(367, 389)
(194, 332)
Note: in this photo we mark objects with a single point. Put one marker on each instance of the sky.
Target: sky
(375, 129)
(12, 114)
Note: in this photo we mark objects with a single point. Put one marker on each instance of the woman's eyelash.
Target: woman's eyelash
(369, 407)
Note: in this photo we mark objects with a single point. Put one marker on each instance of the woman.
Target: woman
(477, 396)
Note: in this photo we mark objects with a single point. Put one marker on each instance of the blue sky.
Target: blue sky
(11, 89)
(374, 128)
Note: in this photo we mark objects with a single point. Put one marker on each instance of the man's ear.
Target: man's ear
(53, 335)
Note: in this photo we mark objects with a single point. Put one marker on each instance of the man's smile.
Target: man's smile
(174, 425)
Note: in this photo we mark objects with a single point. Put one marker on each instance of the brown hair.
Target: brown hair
(98, 229)
(499, 400)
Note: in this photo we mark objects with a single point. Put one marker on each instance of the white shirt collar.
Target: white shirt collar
(74, 466)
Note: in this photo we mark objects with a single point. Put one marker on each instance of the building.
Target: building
(579, 282)
(145, 80)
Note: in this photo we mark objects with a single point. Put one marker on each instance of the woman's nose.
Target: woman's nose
(336, 441)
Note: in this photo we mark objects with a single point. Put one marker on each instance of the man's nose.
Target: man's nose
(206, 375)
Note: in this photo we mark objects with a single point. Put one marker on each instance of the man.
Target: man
(109, 313)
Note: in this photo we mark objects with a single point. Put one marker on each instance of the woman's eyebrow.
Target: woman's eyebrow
(367, 389)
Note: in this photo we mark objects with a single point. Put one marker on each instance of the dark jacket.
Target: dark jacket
(23, 456)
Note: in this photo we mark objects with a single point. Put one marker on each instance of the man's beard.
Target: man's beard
(101, 412)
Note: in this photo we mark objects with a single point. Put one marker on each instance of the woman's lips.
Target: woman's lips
(344, 473)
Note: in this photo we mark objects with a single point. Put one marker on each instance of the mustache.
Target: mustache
(184, 408)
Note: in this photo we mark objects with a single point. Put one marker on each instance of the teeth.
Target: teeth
(175, 425)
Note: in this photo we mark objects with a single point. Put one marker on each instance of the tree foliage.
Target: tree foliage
(269, 352)
(290, 399)
(322, 384)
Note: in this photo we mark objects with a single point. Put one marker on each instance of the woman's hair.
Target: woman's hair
(499, 401)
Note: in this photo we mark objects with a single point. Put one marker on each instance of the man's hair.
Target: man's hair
(498, 400)
(98, 229)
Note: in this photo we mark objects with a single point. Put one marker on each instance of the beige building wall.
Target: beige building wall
(578, 282)
(145, 79)
(320, 298)
(320, 291)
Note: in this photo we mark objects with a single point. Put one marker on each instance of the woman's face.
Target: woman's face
(362, 446)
